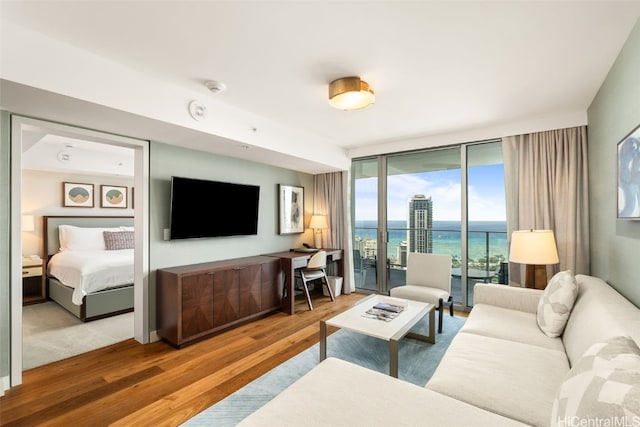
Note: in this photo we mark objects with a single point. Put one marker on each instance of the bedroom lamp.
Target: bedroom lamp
(536, 249)
(318, 223)
(350, 93)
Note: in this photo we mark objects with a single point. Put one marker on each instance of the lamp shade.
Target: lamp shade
(350, 93)
(27, 223)
(318, 222)
(537, 247)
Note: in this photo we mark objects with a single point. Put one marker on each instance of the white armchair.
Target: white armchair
(428, 280)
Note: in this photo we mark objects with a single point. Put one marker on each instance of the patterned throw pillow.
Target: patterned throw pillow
(556, 303)
(603, 386)
(116, 240)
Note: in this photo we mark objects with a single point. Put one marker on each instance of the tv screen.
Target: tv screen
(201, 208)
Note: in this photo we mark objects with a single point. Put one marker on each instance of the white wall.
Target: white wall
(42, 196)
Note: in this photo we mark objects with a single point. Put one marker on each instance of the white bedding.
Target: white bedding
(92, 271)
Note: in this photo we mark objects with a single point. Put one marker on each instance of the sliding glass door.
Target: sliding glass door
(423, 209)
(448, 200)
(487, 246)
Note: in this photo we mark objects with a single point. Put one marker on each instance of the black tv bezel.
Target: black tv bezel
(220, 231)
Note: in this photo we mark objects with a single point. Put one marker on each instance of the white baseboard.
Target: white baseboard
(153, 336)
(5, 383)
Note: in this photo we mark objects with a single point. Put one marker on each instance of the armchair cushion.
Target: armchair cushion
(556, 303)
(419, 293)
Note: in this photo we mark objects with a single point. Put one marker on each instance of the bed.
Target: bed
(89, 272)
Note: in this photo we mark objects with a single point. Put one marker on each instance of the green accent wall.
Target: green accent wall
(613, 114)
(169, 160)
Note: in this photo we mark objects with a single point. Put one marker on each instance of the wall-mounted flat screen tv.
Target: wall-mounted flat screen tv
(202, 208)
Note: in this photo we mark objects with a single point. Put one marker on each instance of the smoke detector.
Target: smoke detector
(197, 110)
(215, 86)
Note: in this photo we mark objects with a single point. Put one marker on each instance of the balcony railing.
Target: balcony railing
(486, 254)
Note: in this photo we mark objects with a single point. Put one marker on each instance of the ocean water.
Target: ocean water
(446, 237)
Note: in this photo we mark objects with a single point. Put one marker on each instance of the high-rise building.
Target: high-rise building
(420, 224)
(401, 254)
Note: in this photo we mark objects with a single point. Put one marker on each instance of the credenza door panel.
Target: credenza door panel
(226, 297)
(197, 305)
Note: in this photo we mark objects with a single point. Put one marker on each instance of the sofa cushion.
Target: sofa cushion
(509, 378)
(604, 384)
(339, 393)
(556, 303)
(599, 314)
(511, 297)
(512, 325)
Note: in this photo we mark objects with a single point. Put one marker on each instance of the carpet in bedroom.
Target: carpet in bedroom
(417, 362)
(50, 333)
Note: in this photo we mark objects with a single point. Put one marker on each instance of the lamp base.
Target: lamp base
(536, 276)
(318, 239)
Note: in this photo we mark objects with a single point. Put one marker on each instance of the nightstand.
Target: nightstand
(33, 283)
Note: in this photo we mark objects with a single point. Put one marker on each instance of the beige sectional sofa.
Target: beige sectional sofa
(500, 369)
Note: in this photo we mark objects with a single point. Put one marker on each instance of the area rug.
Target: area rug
(417, 361)
(50, 333)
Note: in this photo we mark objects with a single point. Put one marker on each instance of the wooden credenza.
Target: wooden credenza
(200, 300)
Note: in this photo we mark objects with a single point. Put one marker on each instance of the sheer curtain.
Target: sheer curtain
(330, 199)
(547, 188)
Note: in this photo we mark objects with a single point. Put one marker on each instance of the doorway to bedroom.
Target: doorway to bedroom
(66, 172)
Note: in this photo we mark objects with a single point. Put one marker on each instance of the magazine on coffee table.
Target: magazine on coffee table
(386, 309)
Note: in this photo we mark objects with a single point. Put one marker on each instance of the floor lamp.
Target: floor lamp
(318, 223)
(536, 249)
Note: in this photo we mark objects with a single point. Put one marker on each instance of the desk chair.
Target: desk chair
(315, 270)
(428, 280)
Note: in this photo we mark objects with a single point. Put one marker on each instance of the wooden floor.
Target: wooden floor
(156, 385)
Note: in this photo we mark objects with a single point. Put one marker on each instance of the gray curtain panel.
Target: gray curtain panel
(330, 198)
(546, 180)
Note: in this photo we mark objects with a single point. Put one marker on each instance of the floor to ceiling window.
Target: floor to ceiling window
(447, 200)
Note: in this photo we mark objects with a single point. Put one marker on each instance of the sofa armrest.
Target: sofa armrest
(514, 298)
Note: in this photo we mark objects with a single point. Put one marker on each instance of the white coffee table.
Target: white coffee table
(392, 331)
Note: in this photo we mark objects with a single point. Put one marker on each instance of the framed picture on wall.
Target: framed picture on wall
(291, 209)
(629, 176)
(77, 195)
(112, 196)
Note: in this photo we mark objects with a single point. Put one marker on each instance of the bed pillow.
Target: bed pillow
(604, 384)
(117, 240)
(82, 238)
(125, 228)
(556, 303)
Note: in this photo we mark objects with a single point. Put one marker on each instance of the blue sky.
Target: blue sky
(486, 194)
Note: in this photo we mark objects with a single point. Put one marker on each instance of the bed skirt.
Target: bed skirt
(107, 303)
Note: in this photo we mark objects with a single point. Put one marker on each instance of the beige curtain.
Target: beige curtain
(330, 199)
(547, 188)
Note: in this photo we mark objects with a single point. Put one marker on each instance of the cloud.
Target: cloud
(485, 203)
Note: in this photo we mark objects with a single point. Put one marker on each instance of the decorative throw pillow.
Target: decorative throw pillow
(556, 303)
(118, 240)
(603, 386)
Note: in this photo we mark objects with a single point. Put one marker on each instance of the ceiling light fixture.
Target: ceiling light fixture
(350, 93)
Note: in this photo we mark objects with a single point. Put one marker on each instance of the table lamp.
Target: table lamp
(318, 223)
(536, 249)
